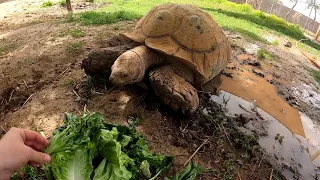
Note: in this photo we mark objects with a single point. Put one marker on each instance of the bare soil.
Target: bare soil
(41, 79)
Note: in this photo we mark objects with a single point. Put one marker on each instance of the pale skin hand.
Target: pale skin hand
(19, 147)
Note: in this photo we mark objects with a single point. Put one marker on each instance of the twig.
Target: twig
(260, 161)
(225, 132)
(64, 71)
(244, 108)
(238, 174)
(254, 167)
(111, 89)
(25, 83)
(195, 152)
(3, 129)
(76, 94)
(27, 100)
(46, 92)
(10, 95)
(85, 109)
(271, 174)
(95, 92)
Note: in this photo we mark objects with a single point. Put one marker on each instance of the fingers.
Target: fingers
(33, 164)
(28, 135)
(37, 157)
(35, 145)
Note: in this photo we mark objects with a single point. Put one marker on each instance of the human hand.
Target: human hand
(19, 147)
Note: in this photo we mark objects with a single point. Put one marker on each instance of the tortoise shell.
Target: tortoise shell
(187, 33)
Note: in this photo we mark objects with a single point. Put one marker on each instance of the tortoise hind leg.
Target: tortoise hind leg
(173, 90)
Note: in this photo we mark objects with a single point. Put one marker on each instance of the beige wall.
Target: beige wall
(281, 11)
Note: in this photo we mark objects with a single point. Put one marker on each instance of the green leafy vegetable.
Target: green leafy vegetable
(86, 148)
(188, 173)
(145, 168)
(72, 149)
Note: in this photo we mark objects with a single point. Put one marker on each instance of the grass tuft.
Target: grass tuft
(7, 47)
(62, 2)
(76, 33)
(316, 75)
(100, 17)
(75, 48)
(276, 42)
(264, 54)
(47, 3)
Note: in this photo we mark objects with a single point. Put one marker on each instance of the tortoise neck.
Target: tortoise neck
(148, 58)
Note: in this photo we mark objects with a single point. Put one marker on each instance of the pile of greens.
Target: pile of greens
(87, 148)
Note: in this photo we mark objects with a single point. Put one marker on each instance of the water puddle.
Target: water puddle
(253, 88)
(245, 88)
(293, 155)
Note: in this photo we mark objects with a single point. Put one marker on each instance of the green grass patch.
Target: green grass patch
(316, 75)
(62, 2)
(264, 54)
(75, 48)
(47, 3)
(276, 42)
(76, 33)
(101, 17)
(5, 48)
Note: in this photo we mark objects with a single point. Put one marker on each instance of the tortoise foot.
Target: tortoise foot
(173, 90)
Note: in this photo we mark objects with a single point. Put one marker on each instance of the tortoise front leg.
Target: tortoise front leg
(173, 90)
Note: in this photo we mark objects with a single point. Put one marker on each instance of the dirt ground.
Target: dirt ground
(41, 79)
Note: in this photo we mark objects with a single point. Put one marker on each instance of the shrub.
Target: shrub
(47, 3)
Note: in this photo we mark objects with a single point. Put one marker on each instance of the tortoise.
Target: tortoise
(180, 46)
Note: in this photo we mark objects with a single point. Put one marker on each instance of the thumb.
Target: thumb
(38, 157)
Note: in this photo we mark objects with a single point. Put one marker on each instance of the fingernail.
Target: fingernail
(47, 158)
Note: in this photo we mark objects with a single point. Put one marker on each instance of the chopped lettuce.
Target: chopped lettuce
(145, 168)
(86, 148)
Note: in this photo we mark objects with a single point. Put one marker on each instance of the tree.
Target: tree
(317, 34)
(296, 17)
(272, 5)
(256, 4)
(69, 7)
(294, 5)
(310, 6)
(316, 8)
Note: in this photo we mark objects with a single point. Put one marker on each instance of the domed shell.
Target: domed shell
(188, 33)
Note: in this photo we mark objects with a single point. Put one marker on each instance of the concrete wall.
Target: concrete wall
(281, 11)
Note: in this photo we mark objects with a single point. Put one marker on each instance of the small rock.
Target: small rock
(239, 161)
(290, 97)
(255, 63)
(245, 118)
(227, 74)
(258, 73)
(288, 44)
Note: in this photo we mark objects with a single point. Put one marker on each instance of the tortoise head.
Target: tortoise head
(127, 69)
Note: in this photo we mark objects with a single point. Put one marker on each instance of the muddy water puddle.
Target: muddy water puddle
(243, 91)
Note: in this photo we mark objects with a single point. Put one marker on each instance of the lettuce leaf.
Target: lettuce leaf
(188, 173)
(71, 148)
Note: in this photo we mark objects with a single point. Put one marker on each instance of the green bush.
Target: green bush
(62, 2)
(47, 3)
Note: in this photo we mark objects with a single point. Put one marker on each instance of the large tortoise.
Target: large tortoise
(181, 46)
